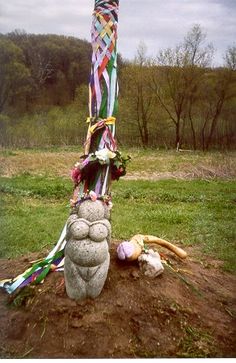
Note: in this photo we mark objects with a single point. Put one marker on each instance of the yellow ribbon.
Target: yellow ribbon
(107, 121)
(89, 119)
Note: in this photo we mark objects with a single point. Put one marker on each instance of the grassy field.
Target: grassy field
(187, 208)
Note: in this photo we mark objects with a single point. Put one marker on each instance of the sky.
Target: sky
(157, 23)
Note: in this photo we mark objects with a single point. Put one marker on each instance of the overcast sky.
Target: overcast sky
(157, 23)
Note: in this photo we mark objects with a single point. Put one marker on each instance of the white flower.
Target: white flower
(104, 155)
(111, 155)
(93, 195)
(77, 165)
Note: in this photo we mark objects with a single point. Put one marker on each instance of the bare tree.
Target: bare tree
(139, 93)
(219, 88)
(230, 58)
(194, 50)
(177, 81)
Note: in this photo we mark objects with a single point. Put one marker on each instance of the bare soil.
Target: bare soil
(186, 314)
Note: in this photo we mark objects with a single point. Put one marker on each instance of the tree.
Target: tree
(14, 75)
(138, 92)
(57, 65)
(230, 58)
(177, 77)
(218, 89)
(195, 52)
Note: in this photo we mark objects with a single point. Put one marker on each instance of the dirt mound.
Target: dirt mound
(190, 313)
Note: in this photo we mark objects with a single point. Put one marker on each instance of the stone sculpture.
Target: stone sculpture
(85, 237)
(87, 256)
(86, 252)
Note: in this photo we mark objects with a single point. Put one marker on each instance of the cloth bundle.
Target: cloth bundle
(149, 260)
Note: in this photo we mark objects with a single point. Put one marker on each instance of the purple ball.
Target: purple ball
(125, 250)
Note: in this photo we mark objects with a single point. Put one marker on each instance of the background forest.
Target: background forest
(175, 100)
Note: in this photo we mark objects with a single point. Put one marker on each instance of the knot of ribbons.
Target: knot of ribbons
(107, 136)
(101, 123)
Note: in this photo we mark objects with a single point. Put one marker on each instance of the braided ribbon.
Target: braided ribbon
(103, 79)
(103, 89)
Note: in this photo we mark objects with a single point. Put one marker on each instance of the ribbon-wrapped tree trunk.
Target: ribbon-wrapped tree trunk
(87, 255)
(101, 161)
(83, 247)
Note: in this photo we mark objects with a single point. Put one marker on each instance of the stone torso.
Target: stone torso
(87, 255)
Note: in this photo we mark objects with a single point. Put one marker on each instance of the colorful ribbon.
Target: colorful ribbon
(101, 123)
(103, 92)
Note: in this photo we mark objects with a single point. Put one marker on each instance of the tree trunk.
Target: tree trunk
(193, 134)
(214, 122)
(177, 135)
(203, 135)
(145, 135)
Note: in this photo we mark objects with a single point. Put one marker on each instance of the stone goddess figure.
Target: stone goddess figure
(87, 255)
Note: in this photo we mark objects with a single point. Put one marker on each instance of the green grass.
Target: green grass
(197, 344)
(29, 225)
(190, 212)
(36, 186)
(34, 210)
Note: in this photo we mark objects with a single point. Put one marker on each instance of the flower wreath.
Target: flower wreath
(93, 161)
(86, 169)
